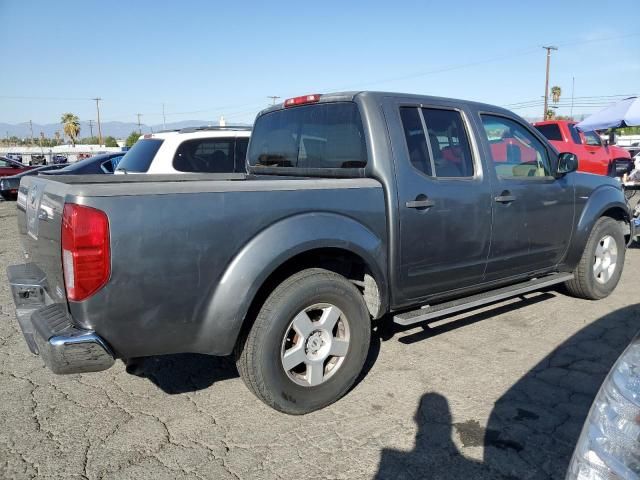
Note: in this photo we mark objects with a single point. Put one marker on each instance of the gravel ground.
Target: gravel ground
(498, 393)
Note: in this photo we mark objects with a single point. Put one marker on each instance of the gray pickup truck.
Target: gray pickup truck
(355, 207)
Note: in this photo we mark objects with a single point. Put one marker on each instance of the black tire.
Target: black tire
(584, 284)
(258, 353)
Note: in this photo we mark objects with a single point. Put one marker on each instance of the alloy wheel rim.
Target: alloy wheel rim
(605, 259)
(315, 344)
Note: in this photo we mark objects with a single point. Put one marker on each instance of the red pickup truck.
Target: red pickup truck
(594, 156)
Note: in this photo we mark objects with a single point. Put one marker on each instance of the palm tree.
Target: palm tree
(551, 113)
(71, 126)
(57, 135)
(555, 94)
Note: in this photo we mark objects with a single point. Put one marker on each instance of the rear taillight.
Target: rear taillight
(85, 250)
(303, 100)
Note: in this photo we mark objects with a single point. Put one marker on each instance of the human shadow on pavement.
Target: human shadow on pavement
(434, 455)
(533, 428)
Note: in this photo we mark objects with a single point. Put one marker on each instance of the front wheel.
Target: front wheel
(308, 343)
(601, 264)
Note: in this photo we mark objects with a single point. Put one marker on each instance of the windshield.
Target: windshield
(140, 156)
(320, 136)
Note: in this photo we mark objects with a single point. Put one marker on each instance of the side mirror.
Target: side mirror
(567, 163)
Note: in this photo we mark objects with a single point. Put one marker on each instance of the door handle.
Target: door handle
(421, 201)
(505, 197)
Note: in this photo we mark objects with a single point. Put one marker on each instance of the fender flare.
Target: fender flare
(224, 312)
(604, 198)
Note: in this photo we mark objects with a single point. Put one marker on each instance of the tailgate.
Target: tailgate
(40, 204)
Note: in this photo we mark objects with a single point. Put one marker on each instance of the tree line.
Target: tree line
(71, 128)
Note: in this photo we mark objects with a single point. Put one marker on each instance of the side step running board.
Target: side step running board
(447, 308)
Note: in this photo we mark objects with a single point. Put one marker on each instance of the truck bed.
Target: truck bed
(197, 225)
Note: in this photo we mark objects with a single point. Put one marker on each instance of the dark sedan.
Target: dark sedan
(9, 185)
(103, 163)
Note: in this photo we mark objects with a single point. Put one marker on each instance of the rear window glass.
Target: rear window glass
(550, 131)
(320, 136)
(140, 156)
(205, 155)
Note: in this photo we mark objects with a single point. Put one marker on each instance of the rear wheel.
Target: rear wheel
(601, 264)
(308, 343)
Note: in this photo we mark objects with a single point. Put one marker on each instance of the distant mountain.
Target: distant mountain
(114, 129)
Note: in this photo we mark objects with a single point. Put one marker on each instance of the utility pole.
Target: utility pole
(139, 127)
(91, 127)
(97, 99)
(273, 98)
(164, 120)
(573, 87)
(31, 128)
(546, 82)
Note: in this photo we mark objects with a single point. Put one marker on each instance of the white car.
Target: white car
(189, 150)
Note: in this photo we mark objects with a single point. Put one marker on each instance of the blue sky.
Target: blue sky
(203, 59)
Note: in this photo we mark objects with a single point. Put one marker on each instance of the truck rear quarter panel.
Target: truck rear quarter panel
(215, 247)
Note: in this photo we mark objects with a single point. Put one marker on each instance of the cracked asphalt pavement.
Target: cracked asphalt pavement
(499, 393)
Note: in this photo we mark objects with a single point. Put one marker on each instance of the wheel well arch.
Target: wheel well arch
(336, 259)
(616, 213)
(620, 215)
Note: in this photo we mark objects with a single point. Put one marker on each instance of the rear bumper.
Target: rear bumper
(48, 329)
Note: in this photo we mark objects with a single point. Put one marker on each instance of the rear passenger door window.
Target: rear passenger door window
(437, 142)
(448, 142)
(205, 155)
(515, 152)
(416, 140)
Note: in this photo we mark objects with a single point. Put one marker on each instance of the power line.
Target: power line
(588, 97)
(10, 97)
